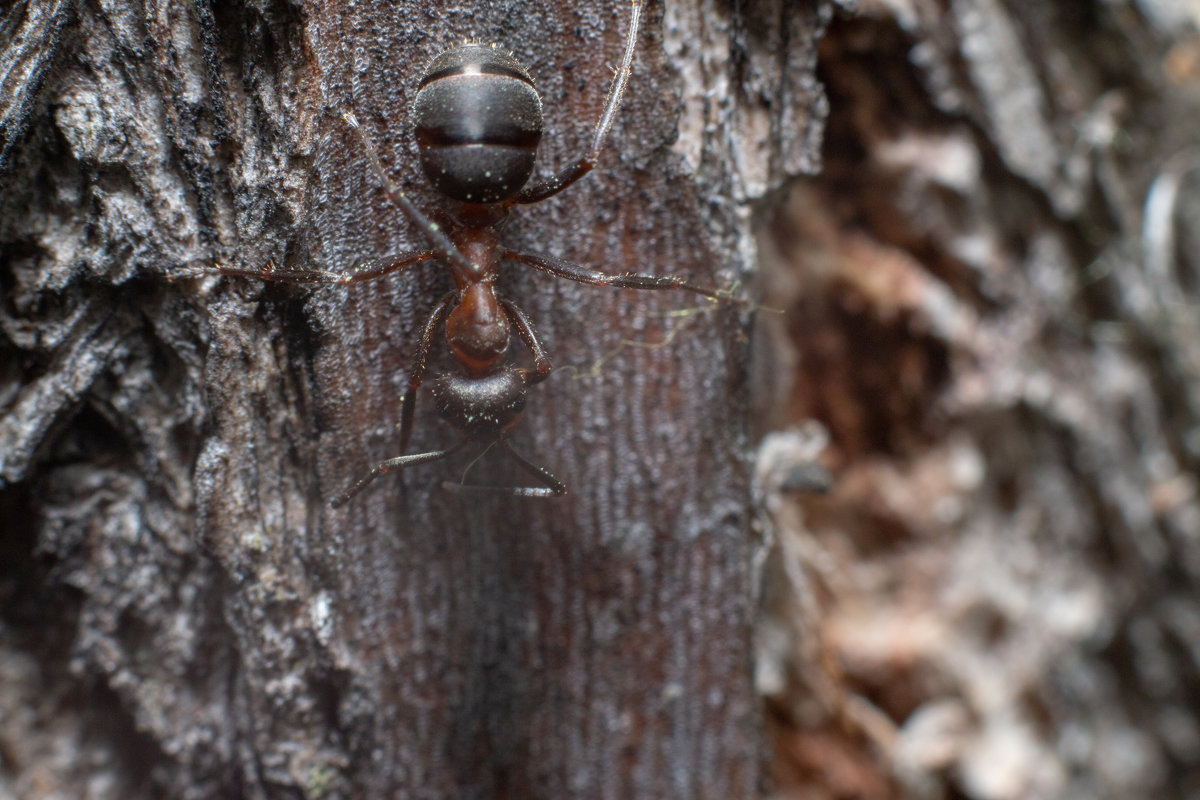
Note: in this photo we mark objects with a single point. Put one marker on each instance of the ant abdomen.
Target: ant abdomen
(478, 122)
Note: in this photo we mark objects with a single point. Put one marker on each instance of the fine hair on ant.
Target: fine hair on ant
(477, 122)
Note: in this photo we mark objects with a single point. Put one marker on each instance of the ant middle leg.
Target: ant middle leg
(552, 186)
(594, 277)
(364, 271)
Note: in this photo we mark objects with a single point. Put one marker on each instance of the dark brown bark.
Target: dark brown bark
(183, 614)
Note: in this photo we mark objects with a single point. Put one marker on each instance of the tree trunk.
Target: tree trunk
(183, 615)
(991, 291)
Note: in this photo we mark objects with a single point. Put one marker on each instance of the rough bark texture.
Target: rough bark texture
(181, 614)
(991, 295)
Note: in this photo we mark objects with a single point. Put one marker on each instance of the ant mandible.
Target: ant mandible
(478, 121)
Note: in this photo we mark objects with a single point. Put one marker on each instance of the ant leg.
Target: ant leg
(390, 465)
(551, 486)
(407, 406)
(408, 403)
(443, 247)
(547, 188)
(594, 277)
(541, 361)
(364, 271)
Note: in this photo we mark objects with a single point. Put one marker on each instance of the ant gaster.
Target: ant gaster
(478, 121)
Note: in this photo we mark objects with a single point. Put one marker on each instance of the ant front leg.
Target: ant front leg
(551, 486)
(540, 191)
(541, 361)
(392, 465)
(594, 277)
(408, 404)
(365, 271)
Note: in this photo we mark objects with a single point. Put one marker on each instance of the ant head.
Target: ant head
(478, 122)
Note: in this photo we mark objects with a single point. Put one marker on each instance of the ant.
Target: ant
(478, 121)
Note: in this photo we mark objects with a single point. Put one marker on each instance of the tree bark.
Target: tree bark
(991, 294)
(183, 615)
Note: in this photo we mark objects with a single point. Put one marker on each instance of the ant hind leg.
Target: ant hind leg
(573, 172)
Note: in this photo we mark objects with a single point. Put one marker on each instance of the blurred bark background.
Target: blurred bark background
(991, 295)
(181, 614)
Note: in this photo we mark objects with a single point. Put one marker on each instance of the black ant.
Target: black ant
(478, 121)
